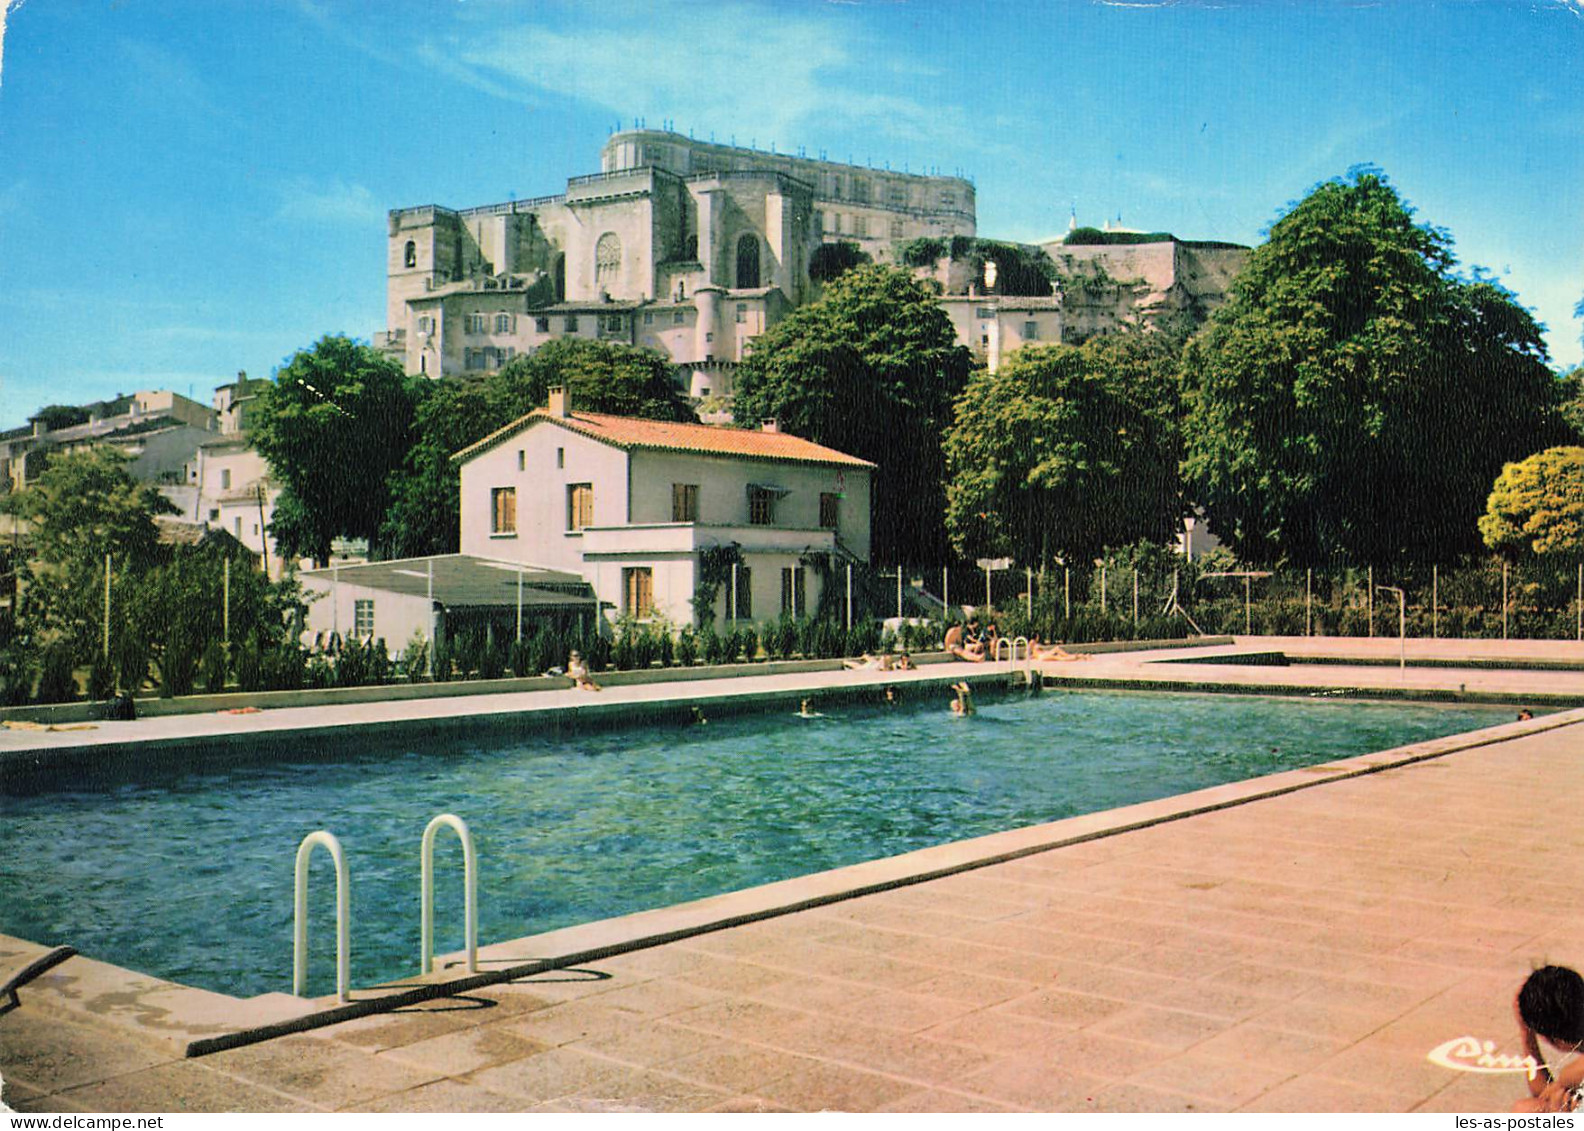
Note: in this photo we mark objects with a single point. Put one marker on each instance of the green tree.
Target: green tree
(1066, 450)
(1537, 506)
(82, 507)
(335, 425)
(1355, 397)
(833, 259)
(602, 377)
(871, 369)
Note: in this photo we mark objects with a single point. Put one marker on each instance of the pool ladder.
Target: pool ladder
(326, 840)
(1011, 658)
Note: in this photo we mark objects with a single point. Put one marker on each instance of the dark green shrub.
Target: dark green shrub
(379, 662)
(686, 648)
(284, 668)
(101, 678)
(750, 644)
(57, 684)
(520, 658)
(249, 663)
(415, 658)
(625, 654)
(646, 649)
(213, 667)
(491, 660)
(542, 650)
(711, 646)
(596, 652)
(444, 666)
(179, 664)
(351, 666)
(667, 647)
(16, 675)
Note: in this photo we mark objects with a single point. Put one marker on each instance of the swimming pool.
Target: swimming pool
(188, 875)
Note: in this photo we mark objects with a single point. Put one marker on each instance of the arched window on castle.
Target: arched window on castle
(748, 262)
(410, 255)
(607, 260)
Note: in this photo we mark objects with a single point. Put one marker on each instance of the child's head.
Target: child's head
(1552, 1004)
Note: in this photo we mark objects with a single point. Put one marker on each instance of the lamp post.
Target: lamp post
(1188, 529)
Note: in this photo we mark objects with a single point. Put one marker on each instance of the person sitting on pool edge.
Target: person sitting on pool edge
(577, 671)
(964, 641)
(1550, 1004)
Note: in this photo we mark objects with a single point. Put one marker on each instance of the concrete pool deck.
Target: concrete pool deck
(1301, 951)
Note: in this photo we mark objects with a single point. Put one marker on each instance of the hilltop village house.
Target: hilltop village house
(647, 510)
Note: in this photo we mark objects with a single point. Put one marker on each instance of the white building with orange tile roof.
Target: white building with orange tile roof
(633, 506)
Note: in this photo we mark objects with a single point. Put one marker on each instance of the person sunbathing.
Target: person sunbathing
(869, 663)
(1053, 651)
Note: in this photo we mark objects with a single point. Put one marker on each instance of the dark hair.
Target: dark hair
(1552, 1004)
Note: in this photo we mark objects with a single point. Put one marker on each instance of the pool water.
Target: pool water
(188, 875)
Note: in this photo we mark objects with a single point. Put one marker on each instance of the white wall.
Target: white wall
(723, 492)
(542, 537)
(396, 615)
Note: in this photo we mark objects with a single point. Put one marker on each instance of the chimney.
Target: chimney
(560, 402)
(770, 425)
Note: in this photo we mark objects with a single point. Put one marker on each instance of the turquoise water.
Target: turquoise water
(188, 875)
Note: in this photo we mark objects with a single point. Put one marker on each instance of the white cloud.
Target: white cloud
(338, 202)
(772, 75)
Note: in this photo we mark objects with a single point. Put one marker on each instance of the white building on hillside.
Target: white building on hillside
(634, 505)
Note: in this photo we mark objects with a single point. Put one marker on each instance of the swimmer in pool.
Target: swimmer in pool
(962, 706)
(806, 710)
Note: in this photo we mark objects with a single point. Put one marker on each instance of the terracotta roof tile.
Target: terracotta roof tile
(628, 432)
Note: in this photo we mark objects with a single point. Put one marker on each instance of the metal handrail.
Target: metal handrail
(426, 891)
(300, 914)
(40, 965)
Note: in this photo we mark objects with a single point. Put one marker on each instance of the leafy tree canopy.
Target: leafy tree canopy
(61, 416)
(832, 259)
(334, 425)
(870, 369)
(1537, 506)
(1066, 450)
(1355, 397)
(85, 505)
(604, 377)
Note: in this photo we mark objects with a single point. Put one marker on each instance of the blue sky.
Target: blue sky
(192, 188)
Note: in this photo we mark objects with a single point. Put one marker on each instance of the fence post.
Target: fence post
(1066, 592)
(1504, 600)
(849, 594)
(1309, 601)
(107, 610)
(1135, 600)
(225, 616)
(946, 592)
(1435, 602)
(1372, 601)
(1580, 629)
(1102, 588)
(1248, 606)
(899, 595)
